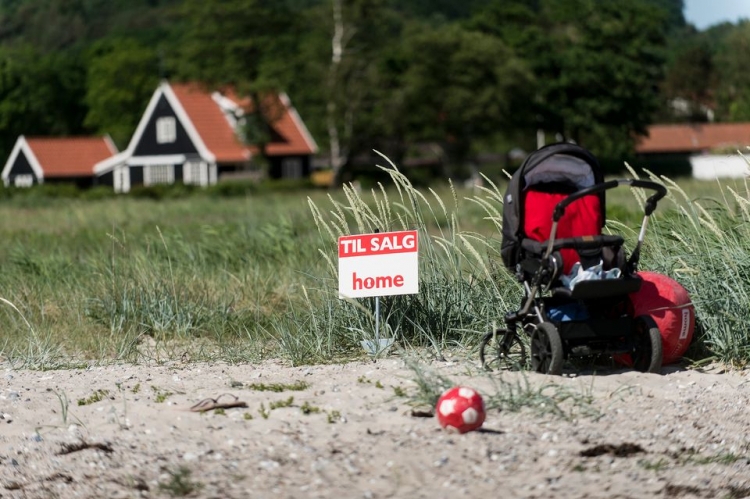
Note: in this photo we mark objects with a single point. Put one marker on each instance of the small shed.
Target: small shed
(38, 160)
(706, 150)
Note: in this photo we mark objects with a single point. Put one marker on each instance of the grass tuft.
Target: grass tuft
(187, 278)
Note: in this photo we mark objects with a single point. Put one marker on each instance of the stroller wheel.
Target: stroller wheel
(647, 351)
(546, 349)
(502, 349)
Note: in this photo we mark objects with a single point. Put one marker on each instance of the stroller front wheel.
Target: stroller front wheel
(546, 349)
(502, 349)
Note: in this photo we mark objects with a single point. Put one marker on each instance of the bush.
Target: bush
(461, 289)
(163, 191)
(234, 188)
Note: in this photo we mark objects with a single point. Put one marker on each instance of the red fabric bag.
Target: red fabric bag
(669, 305)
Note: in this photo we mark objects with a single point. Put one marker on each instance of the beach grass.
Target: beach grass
(246, 277)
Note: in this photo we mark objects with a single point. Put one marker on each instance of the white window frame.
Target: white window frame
(121, 180)
(166, 130)
(291, 168)
(195, 172)
(212, 173)
(158, 174)
(23, 180)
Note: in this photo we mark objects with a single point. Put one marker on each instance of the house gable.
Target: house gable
(163, 103)
(148, 145)
(22, 166)
(22, 161)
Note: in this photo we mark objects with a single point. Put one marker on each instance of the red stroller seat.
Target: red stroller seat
(582, 218)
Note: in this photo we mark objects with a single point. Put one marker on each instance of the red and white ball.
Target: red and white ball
(460, 409)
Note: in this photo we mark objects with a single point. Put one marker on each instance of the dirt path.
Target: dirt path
(346, 431)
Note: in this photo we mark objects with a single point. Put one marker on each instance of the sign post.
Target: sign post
(375, 265)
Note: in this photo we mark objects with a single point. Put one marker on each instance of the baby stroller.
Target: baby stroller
(576, 280)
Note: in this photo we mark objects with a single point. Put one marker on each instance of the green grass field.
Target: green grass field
(246, 277)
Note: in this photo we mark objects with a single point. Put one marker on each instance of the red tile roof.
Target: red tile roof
(694, 137)
(296, 141)
(70, 156)
(219, 135)
(210, 123)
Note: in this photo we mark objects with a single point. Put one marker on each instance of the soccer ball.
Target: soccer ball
(460, 409)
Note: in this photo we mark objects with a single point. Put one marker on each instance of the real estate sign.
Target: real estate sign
(378, 264)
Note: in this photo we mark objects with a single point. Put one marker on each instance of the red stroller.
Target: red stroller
(576, 280)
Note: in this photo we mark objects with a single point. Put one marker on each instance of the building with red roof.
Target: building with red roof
(36, 160)
(707, 150)
(695, 138)
(191, 134)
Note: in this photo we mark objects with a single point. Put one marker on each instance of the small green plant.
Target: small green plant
(160, 396)
(309, 409)
(136, 388)
(365, 380)
(180, 484)
(220, 411)
(399, 391)
(94, 397)
(281, 403)
(551, 398)
(333, 416)
(657, 466)
(721, 458)
(264, 413)
(297, 386)
(64, 406)
(430, 384)
(247, 416)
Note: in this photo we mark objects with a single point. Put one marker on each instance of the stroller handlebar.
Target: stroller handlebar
(649, 208)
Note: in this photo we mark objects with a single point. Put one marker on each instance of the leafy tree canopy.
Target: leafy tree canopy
(377, 74)
(121, 76)
(461, 85)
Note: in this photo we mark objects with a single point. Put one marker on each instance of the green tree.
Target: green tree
(440, 10)
(336, 76)
(733, 88)
(54, 25)
(245, 44)
(690, 80)
(462, 86)
(40, 94)
(359, 98)
(597, 65)
(121, 76)
(674, 10)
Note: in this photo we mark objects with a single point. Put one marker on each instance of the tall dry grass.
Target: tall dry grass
(254, 276)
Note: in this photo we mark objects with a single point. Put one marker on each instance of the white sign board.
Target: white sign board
(379, 264)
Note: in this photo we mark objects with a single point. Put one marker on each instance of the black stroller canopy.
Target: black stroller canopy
(561, 168)
(561, 163)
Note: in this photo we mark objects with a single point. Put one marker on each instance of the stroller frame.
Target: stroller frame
(608, 327)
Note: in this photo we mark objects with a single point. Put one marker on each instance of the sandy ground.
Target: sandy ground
(128, 431)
